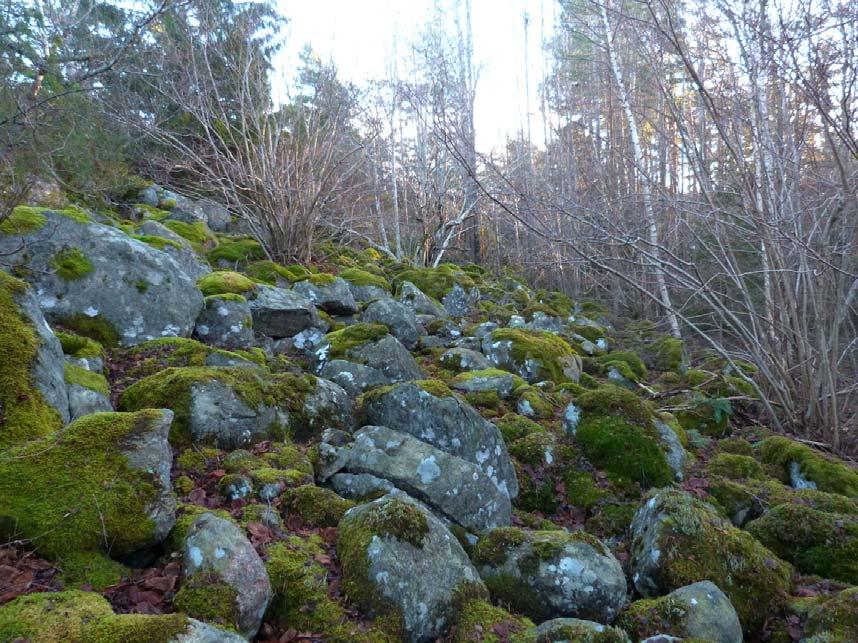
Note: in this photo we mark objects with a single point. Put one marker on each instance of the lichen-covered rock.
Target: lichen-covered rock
(98, 280)
(547, 574)
(447, 423)
(401, 560)
(419, 302)
(398, 318)
(459, 302)
(533, 355)
(224, 579)
(390, 357)
(160, 236)
(104, 486)
(33, 395)
(464, 359)
(698, 611)
(678, 540)
(454, 487)
(225, 321)
(675, 453)
(488, 380)
(365, 286)
(69, 616)
(354, 378)
(329, 293)
(579, 631)
(278, 312)
(360, 486)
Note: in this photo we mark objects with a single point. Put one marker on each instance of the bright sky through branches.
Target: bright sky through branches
(359, 36)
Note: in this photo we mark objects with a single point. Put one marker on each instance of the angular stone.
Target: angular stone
(354, 378)
(278, 312)
(398, 318)
(419, 302)
(389, 356)
(184, 255)
(334, 298)
(225, 323)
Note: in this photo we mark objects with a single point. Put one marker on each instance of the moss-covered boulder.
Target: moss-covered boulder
(678, 540)
(225, 321)
(548, 574)
(365, 286)
(479, 620)
(88, 392)
(834, 620)
(372, 346)
(806, 467)
(400, 560)
(578, 630)
(490, 380)
(33, 395)
(63, 617)
(464, 359)
(102, 282)
(102, 484)
(420, 302)
(224, 580)
(316, 506)
(698, 611)
(816, 542)
(533, 355)
(225, 282)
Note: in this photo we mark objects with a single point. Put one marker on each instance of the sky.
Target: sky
(360, 36)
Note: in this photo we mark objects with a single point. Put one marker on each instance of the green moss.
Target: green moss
(827, 472)
(159, 243)
(837, 616)
(359, 277)
(198, 233)
(186, 515)
(631, 360)
(478, 620)
(23, 220)
(322, 279)
(668, 353)
(493, 548)
(434, 387)
(236, 251)
(267, 271)
(226, 296)
(97, 328)
(735, 466)
(697, 544)
(183, 485)
(24, 412)
(581, 489)
(71, 489)
(531, 399)
(612, 519)
(547, 348)
(738, 446)
(90, 568)
(147, 211)
(209, 599)
(196, 459)
(154, 355)
(71, 264)
(825, 544)
(703, 418)
(342, 341)
(435, 282)
(584, 632)
(626, 451)
(218, 283)
(79, 347)
(613, 400)
(316, 506)
(486, 401)
(513, 426)
(535, 448)
(82, 377)
(663, 615)
(63, 617)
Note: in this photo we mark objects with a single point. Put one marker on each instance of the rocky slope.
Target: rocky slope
(198, 444)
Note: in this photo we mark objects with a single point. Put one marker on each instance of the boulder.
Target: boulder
(104, 486)
(96, 279)
(223, 576)
(399, 559)
(675, 453)
(419, 302)
(88, 391)
(533, 355)
(698, 611)
(390, 357)
(678, 540)
(352, 377)
(579, 631)
(225, 321)
(176, 246)
(33, 395)
(460, 303)
(312, 344)
(447, 423)
(488, 380)
(450, 485)
(278, 312)
(548, 574)
(464, 359)
(329, 293)
(398, 318)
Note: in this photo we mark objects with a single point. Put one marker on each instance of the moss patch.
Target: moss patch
(236, 252)
(198, 233)
(834, 620)
(209, 599)
(735, 466)
(78, 346)
(23, 220)
(71, 264)
(342, 341)
(82, 377)
(513, 426)
(90, 568)
(267, 271)
(359, 277)
(827, 472)
(316, 506)
(97, 328)
(219, 283)
(479, 620)
(547, 348)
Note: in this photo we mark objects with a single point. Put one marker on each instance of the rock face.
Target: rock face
(426, 473)
(678, 540)
(546, 574)
(448, 424)
(398, 318)
(333, 296)
(353, 378)
(699, 611)
(225, 321)
(179, 249)
(219, 560)
(281, 313)
(459, 303)
(398, 558)
(390, 357)
(419, 302)
(75, 509)
(88, 275)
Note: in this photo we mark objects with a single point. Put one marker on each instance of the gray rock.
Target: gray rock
(675, 452)
(235, 487)
(419, 582)
(353, 378)
(797, 479)
(141, 292)
(216, 547)
(84, 401)
(662, 638)
(368, 293)
(47, 370)
(389, 356)
(542, 321)
(199, 632)
(278, 312)
(92, 364)
(419, 302)
(184, 255)
(230, 360)
(569, 574)
(464, 359)
(483, 381)
(706, 613)
(225, 322)
(460, 303)
(327, 407)
(500, 354)
(398, 318)
(312, 344)
(571, 419)
(483, 329)
(359, 486)
(433, 341)
(570, 630)
(449, 424)
(450, 485)
(334, 298)
(470, 343)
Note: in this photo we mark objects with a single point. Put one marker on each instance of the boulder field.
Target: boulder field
(199, 444)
